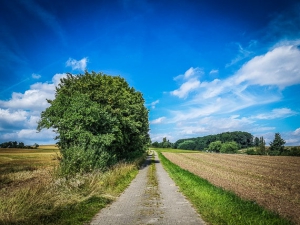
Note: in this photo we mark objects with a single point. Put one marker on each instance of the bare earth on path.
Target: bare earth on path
(150, 200)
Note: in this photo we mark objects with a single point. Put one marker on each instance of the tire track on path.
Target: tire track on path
(151, 198)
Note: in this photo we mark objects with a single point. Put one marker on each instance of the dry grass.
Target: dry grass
(31, 193)
(272, 182)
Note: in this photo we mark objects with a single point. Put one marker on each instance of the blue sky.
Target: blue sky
(204, 67)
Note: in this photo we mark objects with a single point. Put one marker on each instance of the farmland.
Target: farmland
(272, 182)
(32, 192)
(26, 166)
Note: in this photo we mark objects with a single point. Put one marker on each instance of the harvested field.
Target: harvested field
(25, 167)
(272, 182)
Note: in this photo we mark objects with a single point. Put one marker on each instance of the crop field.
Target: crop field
(32, 192)
(272, 182)
(19, 167)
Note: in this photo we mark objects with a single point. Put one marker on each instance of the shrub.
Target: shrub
(229, 147)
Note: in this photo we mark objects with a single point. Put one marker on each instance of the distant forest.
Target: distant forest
(243, 139)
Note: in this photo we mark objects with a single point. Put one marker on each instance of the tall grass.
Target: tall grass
(57, 200)
(216, 205)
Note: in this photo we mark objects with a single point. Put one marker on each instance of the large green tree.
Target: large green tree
(98, 116)
(277, 145)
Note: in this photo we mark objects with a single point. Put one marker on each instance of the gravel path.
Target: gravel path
(143, 202)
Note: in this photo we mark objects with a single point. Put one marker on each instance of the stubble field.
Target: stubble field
(272, 182)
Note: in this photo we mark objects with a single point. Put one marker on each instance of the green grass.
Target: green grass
(215, 205)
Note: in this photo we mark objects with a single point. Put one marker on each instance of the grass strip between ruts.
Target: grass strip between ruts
(218, 206)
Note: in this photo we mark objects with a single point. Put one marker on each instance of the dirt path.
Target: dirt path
(152, 198)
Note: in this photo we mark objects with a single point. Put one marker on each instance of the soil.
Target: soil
(271, 181)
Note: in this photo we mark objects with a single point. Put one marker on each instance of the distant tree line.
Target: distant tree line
(242, 140)
(15, 144)
(231, 142)
(276, 147)
(164, 144)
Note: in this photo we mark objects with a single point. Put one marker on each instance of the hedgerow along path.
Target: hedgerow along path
(152, 198)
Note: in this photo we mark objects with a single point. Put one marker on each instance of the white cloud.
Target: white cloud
(297, 131)
(190, 73)
(212, 72)
(77, 65)
(153, 104)
(279, 67)
(292, 141)
(20, 114)
(10, 117)
(158, 120)
(186, 88)
(208, 105)
(30, 136)
(242, 53)
(34, 98)
(36, 76)
(276, 113)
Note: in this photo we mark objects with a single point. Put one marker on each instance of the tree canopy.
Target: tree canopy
(99, 116)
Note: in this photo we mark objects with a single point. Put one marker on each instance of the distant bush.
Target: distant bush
(295, 151)
(229, 147)
(251, 151)
(287, 151)
(187, 145)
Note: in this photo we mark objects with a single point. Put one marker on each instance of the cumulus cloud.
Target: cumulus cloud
(35, 97)
(279, 67)
(158, 120)
(259, 81)
(19, 115)
(30, 136)
(77, 64)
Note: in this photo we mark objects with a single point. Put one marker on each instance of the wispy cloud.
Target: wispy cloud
(213, 72)
(276, 113)
(45, 16)
(77, 64)
(153, 104)
(35, 76)
(158, 120)
(243, 53)
(297, 131)
(186, 88)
